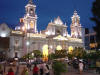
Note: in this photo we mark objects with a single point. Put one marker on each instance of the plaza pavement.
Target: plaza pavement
(72, 71)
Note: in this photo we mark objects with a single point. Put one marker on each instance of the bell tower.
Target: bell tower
(76, 28)
(30, 18)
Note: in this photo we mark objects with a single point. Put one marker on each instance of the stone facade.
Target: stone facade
(26, 38)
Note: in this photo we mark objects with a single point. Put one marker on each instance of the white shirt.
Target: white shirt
(81, 66)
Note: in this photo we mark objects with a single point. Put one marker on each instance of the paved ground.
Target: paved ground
(71, 71)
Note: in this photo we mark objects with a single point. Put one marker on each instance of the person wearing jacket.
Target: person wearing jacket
(10, 71)
(35, 70)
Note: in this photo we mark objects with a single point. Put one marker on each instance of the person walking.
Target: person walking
(35, 70)
(41, 69)
(81, 67)
(10, 71)
(17, 70)
(25, 71)
(46, 69)
(29, 66)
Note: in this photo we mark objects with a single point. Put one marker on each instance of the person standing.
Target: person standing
(41, 69)
(35, 70)
(17, 69)
(10, 71)
(81, 67)
(29, 66)
(46, 69)
(23, 71)
(26, 71)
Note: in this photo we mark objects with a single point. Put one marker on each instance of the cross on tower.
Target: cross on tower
(30, 2)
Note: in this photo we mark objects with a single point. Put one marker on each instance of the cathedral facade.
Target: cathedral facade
(26, 38)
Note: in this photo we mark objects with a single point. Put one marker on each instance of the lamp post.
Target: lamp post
(32, 54)
(32, 57)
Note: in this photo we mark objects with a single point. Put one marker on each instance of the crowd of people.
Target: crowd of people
(34, 69)
(44, 68)
(85, 65)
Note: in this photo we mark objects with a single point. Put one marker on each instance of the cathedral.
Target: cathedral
(26, 37)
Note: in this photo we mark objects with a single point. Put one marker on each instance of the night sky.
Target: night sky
(47, 10)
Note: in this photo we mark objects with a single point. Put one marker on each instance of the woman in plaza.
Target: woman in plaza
(10, 71)
(41, 68)
(35, 70)
(81, 67)
(46, 69)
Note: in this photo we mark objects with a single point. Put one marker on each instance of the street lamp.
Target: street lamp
(27, 43)
(33, 54)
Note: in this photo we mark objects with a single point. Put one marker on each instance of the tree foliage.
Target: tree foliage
(77, 52)
(94, 55)
(58, 54)
(59, 67)
(96, 18)
(37, 53)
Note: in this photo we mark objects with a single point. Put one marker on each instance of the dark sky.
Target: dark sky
(12, 10)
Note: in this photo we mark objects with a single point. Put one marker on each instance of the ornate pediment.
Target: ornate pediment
(58, 21)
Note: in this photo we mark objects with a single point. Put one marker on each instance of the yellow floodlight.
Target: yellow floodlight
(70, 49)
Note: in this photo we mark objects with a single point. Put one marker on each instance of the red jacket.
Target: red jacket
(10, 73)
(35, 70)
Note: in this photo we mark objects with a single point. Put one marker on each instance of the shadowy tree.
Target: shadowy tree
(59, 67)
(96, 19)
(79, 53)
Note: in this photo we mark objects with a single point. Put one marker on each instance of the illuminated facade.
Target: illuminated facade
(56, 28)
(30, 18)
(26, 38)
(76, 28)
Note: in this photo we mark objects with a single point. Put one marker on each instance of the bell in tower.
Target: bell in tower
(30, 8)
